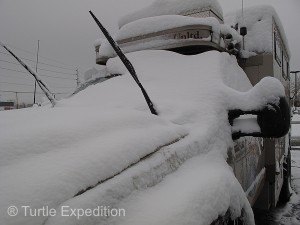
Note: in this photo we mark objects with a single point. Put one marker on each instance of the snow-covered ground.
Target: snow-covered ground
(288, 214)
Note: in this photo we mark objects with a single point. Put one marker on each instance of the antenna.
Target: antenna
(243, 29)
(243, 10)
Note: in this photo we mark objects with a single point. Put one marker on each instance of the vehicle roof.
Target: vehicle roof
(172, 7)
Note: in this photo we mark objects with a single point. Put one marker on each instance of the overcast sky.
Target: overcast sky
(67, 32)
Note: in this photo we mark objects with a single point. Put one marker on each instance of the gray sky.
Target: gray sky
(67, 32)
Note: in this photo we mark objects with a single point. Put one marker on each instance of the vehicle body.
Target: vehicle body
(258, 163)
(276, 156)
(103, 148)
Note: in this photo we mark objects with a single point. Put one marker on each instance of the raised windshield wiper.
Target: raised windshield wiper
(42, 85)
(126, 62)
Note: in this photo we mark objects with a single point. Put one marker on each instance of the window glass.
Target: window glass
(288, 70)
(277, 49)
(284, 64)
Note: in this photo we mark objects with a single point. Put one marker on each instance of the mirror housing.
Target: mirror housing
(273, 120)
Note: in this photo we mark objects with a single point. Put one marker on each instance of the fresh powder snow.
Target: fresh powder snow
(152, 25)
(259, 22)
(172, 7)
(105, 138)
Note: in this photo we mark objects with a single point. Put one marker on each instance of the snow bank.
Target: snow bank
(48, 155)
(171, 7)
(259, 22)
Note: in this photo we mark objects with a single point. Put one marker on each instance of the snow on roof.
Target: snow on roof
(259, 22)
(145, 26)
(48, 154)
(162, 23)
(172, 7)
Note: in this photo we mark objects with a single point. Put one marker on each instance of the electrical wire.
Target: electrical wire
(19, 71)
(32, 53)
(30, 60)
(4, 82)
(40, 68)
(31, 92)
(15, 75)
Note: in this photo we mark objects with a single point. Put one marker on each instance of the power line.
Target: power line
(9, 62)
(40, 68)
(47, 64)
(22, 78)
(21, 49)
(19, 71)
(4, 53)
(65, 87)
(3, 82)
(64, 78)
(31, 92)
(57, 71)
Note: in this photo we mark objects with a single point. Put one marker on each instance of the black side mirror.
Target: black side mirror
(270, 121)
(273, 120)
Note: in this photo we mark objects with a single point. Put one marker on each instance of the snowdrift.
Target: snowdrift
(102, 146)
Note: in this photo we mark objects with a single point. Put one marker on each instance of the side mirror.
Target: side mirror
(270, 121)
(273, 121)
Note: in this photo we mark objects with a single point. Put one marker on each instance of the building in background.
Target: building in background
(7, 105)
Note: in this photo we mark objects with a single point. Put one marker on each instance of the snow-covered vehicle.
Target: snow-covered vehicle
(256, 36)
(101, 157)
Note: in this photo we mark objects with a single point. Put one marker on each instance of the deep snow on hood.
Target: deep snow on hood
(50, 154)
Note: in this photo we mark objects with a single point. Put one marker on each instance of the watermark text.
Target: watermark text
(66, 211)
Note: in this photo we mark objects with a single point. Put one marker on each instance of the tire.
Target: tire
(285, 193)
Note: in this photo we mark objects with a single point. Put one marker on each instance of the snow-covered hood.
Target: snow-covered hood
(100, 135)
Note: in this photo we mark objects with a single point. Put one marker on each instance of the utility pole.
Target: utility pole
(295, 89)
(296, 83)
(40, 82)
(77, 77)
(17, 100)
(36, 70)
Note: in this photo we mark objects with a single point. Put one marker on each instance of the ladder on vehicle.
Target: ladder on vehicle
(295, 140)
